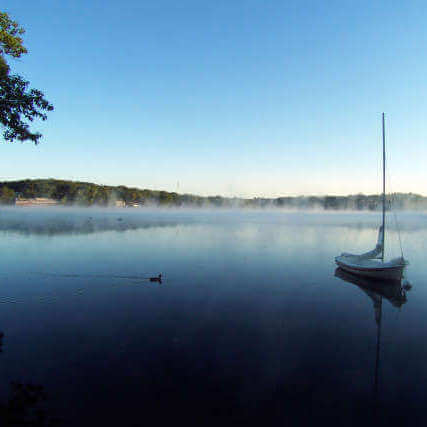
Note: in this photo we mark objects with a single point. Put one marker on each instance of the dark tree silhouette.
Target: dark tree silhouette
(19, 105)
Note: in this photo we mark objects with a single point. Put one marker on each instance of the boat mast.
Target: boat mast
(383, 188)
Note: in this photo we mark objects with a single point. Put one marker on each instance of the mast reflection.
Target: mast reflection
(392, 290)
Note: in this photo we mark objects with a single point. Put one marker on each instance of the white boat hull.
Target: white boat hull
(377, 272)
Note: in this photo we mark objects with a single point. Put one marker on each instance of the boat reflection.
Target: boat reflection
(392, 290)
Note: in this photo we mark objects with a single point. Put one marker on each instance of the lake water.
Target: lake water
(250, 324)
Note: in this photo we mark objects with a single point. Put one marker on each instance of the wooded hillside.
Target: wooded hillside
(87, 194)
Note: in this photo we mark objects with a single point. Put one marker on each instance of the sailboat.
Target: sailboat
(372, 263)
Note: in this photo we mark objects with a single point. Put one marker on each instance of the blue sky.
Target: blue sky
(238, 98)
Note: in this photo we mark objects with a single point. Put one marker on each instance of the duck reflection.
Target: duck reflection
(392, 290)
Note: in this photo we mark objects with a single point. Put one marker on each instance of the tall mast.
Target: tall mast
(383, 187)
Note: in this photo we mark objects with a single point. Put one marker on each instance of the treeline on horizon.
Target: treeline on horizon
(89, 194)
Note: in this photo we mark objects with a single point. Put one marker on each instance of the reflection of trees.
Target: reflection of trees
(25, 405)
(79, 225)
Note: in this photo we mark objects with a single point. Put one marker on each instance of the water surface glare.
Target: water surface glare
(251, 323)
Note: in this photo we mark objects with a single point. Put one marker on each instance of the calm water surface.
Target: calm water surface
(250, 324)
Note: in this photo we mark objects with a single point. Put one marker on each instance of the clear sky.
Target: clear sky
(232, 97)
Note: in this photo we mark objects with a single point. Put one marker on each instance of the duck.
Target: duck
(156, 279)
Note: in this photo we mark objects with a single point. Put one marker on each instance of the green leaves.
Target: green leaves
(19, 105)
(7, 196)
(10, 42)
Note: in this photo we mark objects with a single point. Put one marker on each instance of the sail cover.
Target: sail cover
(375, 253)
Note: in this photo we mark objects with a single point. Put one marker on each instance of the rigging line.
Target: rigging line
(386, 170)
(397, 227)
(393, 199)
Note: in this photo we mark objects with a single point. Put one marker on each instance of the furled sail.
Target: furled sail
(375, 253)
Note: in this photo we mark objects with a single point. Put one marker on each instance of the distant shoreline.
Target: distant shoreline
(55, 192)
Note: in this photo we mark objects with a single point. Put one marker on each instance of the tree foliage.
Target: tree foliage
(88, 194)
(7, 196)
(19, 104)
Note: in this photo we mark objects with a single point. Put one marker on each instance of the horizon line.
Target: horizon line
(216, 195)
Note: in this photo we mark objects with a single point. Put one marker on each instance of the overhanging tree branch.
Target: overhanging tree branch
(19, 105)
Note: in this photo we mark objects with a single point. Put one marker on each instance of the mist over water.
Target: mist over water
(66, 220)
(250, 324)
